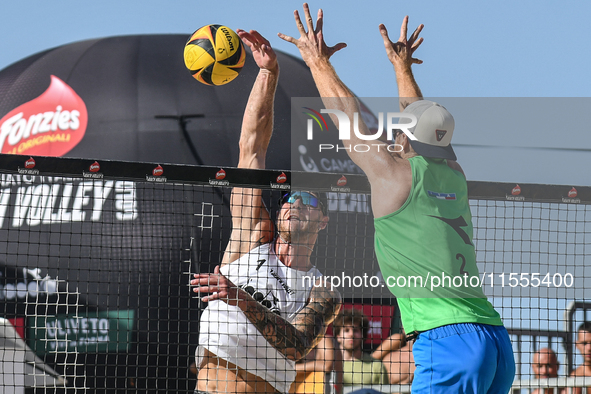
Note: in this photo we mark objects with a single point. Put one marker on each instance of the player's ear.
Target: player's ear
(404, 139)
(405, 142)
(323, 223)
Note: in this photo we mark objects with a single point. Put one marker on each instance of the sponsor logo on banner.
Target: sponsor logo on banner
(571, 199)
(94, 171)
(515, 194)
(27, 200)
(157, 175)
(49, 125)
(280, 184)
(340, 187)
(30, 163)
(516, 190)
(282, 178)
(29, 168)
(30, 285)
(572, 193)
(219, 179)
(92, 332)
(348, 202)
(221, 174)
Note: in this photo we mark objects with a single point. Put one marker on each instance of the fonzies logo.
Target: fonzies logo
(49, 125)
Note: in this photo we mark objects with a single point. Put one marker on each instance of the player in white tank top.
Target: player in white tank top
(263, 315)
(225, 330)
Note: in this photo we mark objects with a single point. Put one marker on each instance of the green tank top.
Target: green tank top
(426, 254)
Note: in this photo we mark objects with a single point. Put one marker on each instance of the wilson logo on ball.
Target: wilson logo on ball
(214, 54)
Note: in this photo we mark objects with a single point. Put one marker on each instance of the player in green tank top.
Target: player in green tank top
(430, 237)
(423, 224)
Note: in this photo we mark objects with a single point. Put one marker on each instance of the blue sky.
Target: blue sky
(495, 49)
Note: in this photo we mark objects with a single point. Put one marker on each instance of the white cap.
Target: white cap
(433, 131)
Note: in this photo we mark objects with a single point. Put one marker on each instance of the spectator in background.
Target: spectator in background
(396, 355)
(313, 371)
(583, 345)
(359, 368)
(545, 366)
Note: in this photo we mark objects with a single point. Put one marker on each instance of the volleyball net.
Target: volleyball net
(96, 258)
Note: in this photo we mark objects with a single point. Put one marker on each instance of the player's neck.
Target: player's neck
(352, 355)
(294, 255)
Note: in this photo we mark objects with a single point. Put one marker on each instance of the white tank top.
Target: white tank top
(226, 332)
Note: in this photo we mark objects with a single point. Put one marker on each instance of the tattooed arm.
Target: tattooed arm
(297, 337)
(293, 338)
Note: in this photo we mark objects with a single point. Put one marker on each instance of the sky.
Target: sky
(526, 49)
(524, 65)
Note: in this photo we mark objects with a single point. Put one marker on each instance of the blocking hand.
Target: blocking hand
(311, 43)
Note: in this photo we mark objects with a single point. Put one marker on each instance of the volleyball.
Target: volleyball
(214, 55)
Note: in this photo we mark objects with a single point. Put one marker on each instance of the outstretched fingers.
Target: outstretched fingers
(311, 41)
(299, 23)
(336, 48)
(262, 53)
(415, 35)
(262, 40)
(309, 20)
(414, 42)
(404, 48)
(319, 21)
(253, 39)
(385, 36)
(209, 283)
(287, 38)
(246, 37)
(403, 30)
(300, 27)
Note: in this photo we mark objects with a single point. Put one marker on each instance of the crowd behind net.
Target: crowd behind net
(96, 258)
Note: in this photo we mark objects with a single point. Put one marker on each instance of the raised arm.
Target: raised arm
(293, 338)
(400, 54)
(250, 218)
(336, 95)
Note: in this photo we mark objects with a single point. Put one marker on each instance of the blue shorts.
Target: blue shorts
(463, 358)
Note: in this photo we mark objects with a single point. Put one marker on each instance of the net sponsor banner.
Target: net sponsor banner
(105, 331)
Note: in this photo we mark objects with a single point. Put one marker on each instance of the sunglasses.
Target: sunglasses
(307, 199)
